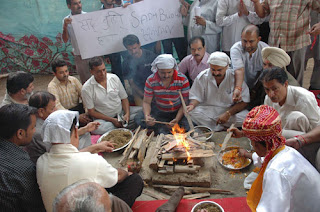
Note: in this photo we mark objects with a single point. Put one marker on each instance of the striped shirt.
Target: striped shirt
(167, 99)
(289, 22)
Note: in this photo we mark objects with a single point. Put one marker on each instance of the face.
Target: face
(259, 148)
(218, 72)
(166, 74)
(62, 73)
(197, 50)
(249, 41)
(267, 64)
(99, 73)
(75, 7)
(276, 91)
(135, 50)
(26, 135)
(108, 2)
(45, 112)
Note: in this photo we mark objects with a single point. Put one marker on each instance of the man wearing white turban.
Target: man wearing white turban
(211, 96)
(64, 164)
(161, 100)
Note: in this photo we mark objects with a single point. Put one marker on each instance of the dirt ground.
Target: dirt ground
(222, 178)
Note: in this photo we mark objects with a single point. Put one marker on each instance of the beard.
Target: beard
(27, 96)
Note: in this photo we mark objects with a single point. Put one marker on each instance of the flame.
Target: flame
(179, 135)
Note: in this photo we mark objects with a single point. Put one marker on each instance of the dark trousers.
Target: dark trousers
(180, 44)
(129, 189)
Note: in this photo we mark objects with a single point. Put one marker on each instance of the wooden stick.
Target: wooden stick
(196, 196)
(199, 153)
(129, 148)
(194, 189)
(155, 194)
(143, 148)
(155, 160)
(186, 112)
(227, 138)
(158, 122)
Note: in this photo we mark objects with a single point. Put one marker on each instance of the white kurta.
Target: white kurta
(290, 183)
(210, 32)
(299, 114)
(215, 100)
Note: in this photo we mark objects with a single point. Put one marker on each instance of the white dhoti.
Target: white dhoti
(208, 116)
(296, 124)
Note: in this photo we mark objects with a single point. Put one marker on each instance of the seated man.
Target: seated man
(19, 88)
(19, 190)
(105, 98)
(193, 64)
(248, 65)
(211, 96)
(45, 104)
(88, 196)
(161, 100)
(67, 90)
(298, 108)
(286, 181)
(137, 66)
(64, 164)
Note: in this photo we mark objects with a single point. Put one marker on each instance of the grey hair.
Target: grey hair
(79, 198)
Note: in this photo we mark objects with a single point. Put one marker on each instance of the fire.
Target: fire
(179, 135)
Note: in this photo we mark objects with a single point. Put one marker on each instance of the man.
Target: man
(286, 181)
(203, 25)
(196, 62)
(233, 16)
(137, 66)
(289, 29)
(45, 104)
(68, 35)
(248, 65)
(19, 190)
(87, 196)
(161, 100)
(67, 90)
(19, 88)
(298, 108)
(64, 164)
(105, 98)
(211, 96)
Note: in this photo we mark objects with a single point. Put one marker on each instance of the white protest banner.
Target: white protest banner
(101, 32)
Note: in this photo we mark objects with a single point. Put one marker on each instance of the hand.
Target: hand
(84, 119)
(236, 133)
(293, 143)
(315, 30)
(242, 152)
(183, 10)
(67, 21)
(236, 97)
(200, 20)
(104, 146)
(126, 5)
(92, 126)
(126, 117)
(184, 3)
(150, 120)
(173, 122)
(108, 61)
(223, 118)
(116, 123)
(190, 108)
(243, 8)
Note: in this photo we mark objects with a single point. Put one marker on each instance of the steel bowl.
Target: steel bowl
(229, 166)
(203, 202)
(123, 129)
(202, 129)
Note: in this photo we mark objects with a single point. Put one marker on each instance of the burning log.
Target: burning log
(199, 153)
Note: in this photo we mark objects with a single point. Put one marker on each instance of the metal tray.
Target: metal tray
(230, 167)
(123, 129)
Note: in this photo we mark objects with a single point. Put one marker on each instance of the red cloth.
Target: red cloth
(235, 204)
(316, 92)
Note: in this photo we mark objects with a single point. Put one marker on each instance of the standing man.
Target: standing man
(19, 88)
(68, 35)
(19, 190)
(193, 64)
(137, 66)
(203, 24)
(211, 96)
(289, 29)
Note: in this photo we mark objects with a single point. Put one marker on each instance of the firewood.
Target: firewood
(143, 147)
(129, 148)
(199, 153)
(194, 189)
(142, 135)
(196, 196)
(186, 114)
(155, 159)
(133, 154)
(186, 169)
(155, 194)
(161, 164)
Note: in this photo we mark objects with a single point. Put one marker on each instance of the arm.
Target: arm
(65, 35)
(126, 109)
(146, 105)
(95, 114)
(122, 174)
(104, 146)
(239, 78)
(88, 128)
(262, 10)
(222, 18)
(232, 110)
(252, 16)
(52, 89)
(193, 103)
(311, 137)
(210, 24)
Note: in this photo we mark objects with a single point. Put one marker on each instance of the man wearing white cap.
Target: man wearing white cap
(211, 96)
(64, 164)
(161, 100)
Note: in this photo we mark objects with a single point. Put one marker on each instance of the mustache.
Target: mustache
(197, 55)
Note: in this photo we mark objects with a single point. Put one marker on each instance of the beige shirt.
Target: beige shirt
(105, 101)
(65, 165)
(67, 96)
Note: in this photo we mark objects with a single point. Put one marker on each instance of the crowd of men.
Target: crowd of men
(46, 155)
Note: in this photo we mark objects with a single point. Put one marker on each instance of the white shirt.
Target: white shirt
(298, 99)
(290, 183)
(105, 101)
(253, 65)
(232, 23)
(65, 165)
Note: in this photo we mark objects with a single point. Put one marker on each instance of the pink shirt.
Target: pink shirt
(189, 65)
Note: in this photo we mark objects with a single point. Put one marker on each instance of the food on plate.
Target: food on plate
(232, 158)
(119, 138)
(207, 206)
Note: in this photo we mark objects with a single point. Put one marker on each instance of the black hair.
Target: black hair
(14, 117)
(73, 125)
(68, 2)
(41, 99)
(274, 73)
(130, 40)
(17, 81)
(193, 39)
(57, 63)
(94, 62)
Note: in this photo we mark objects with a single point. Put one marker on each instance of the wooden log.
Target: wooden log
(152, 193)
(170, 162)
(196, 196)
(194, 189)
(142, 135)
(186, 169)
(129, 148)
(149, 139)
(133, 154)
(161, 164)
(186, 114)
(154, 162)
(146, 172)
(143, 147)
(199, 153)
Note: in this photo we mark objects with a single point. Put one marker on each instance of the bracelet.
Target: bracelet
(228, 112)
(238, 88)
(300, 143)
(300, 136)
